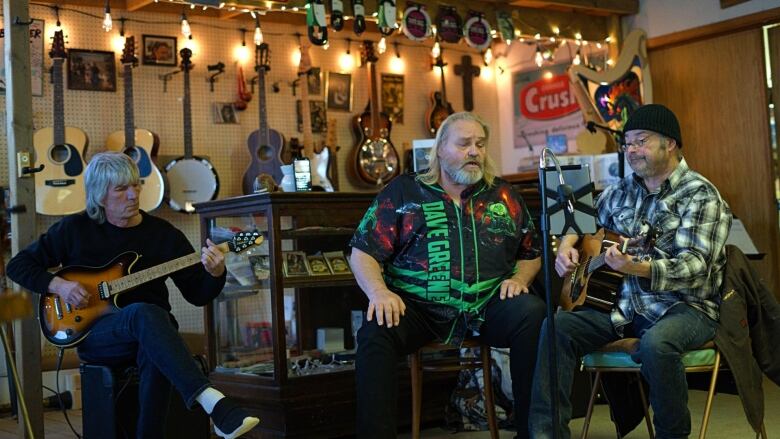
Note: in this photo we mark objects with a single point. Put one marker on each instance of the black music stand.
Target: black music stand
(566, 199)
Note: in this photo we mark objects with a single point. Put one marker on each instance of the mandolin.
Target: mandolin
(66, 326)
(319, 161)
(265, 144)
(374, 158)
(59, 186)
(191, 179)
(440, 108)
(140, 144)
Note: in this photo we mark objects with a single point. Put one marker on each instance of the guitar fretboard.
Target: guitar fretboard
(129, 114)
(265, 135)
(133, 280)
(59, 103)
(187, 114)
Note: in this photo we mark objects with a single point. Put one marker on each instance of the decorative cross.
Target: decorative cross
(468, 72)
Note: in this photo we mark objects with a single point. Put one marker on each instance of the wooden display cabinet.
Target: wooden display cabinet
(263, 327)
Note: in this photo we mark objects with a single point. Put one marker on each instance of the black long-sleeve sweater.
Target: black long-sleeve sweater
(78, 240)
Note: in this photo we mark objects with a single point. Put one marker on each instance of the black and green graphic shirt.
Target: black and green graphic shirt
(441, 253)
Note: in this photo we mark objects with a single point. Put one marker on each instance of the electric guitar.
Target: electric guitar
(593, 283)
(440, 108)
(191, 179)
(374, 158)
(140, 144)
(66, 326)
(59, 186)
(319, 161)
(265, 144)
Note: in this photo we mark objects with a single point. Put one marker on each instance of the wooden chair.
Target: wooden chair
(616, 357)
(418, 367)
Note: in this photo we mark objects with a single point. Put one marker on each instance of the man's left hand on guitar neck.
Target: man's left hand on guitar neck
(625, 263)
(212, 258)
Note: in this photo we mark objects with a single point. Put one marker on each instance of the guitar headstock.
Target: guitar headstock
(367, 53)
(128, 53)
(305, 64)
(58, 46)
(244, 240)
(186, 62)
(262, 58)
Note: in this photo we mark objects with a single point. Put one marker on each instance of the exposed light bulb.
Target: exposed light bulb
(108, 24)
(185, 26)
(382, 46)
(488, 57)
(577, 59)
(436, 51)
(538, 58)
(397, 64)
(258, 37)
(346, 62)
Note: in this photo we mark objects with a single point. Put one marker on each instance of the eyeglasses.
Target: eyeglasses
(638, 143)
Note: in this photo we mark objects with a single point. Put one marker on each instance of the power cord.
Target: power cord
(60, 355)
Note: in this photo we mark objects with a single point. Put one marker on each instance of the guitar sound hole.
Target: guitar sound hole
(133, 153)
(264, 153)
(60, 153)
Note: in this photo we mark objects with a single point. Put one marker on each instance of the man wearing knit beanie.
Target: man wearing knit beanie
(669, 296)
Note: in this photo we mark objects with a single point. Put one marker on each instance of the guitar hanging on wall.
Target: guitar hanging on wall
(265, 144)
(140, 144)
(374, 158)
(319, 161)
(59, 186)
(191, 179)
(440, 108)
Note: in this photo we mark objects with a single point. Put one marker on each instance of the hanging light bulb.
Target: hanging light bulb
(346, 61)
(577, 58)
(436, 51)
(488, 56)
(396, 63)
(258, 32)
(107, 22)
(185, 26)
(538, 57)
(382, 46)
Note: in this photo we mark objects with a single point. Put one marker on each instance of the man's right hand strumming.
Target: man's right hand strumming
(568, 257)
(71, 292)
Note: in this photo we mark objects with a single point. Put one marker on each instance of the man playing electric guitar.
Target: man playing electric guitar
(669, 302)
(142, 332)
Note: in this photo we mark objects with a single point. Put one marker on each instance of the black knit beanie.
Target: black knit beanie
(656, 118)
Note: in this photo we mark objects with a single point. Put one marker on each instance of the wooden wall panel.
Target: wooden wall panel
(717, 88)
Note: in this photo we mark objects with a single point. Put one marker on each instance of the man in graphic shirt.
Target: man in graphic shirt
(438, 255)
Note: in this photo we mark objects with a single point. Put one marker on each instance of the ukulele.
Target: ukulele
(59, 186)
(593, 283)
(319, 161)
(440, 108)
(374, 158)
(191, 179)
(140, 144)
(66, 326)
(265, 144)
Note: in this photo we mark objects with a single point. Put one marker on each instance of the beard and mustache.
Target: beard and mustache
(463, 174)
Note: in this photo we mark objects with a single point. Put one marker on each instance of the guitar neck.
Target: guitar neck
(133, 280)
(443, 86)
(187, 115)
(129, 114)
(265, 135)
(374, 99)
(59, 103)
(308, 145)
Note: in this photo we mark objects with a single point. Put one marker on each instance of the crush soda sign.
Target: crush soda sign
(547, 99)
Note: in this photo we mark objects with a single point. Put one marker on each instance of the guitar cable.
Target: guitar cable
(60, 355)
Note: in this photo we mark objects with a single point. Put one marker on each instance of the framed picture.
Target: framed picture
(338, 92)
(159, 50)
(295, 263)
(319, 121)
(318, 265)
(315, 82)
(393, 96)
(337, 262)
(421, 153)
(225, 112)
(93, 70)
(36, 57)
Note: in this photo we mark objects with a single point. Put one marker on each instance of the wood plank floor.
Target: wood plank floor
(54, 425)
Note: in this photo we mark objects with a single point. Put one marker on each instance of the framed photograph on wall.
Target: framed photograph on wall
(319, 121)
(338, 90)
(393, 96)
(159, 50)
(225, 112)
(93, 70)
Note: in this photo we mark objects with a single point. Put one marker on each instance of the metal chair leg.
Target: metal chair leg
(591, 403)
(487, 379)
(645, 406)
(710, 396)
(416, 372)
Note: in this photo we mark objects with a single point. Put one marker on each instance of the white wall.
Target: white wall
(661, 17)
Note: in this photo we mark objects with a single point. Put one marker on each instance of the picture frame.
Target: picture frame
(337, 262)
(393, 96)
(295, 264)
(338, 91)
(159, 50)
(91, 70)
(225, 113)
(319, 119)
(36, 57)
(314, 79)
(318, 265)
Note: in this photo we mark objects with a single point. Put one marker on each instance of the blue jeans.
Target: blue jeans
(661, 345)
(143, 334)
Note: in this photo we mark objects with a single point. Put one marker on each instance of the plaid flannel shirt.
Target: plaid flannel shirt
(688, 258)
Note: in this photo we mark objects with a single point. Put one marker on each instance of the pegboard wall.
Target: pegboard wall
(101, 113)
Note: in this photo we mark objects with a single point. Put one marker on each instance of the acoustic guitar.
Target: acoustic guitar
(140, 144)
(440, 108)
(191, 179)
(319, 161)
(593, 283)
(374, 158)
(66, 326)
(265, 144)
(59, 186)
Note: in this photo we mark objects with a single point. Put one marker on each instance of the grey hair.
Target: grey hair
(107, 169)
(431, 176)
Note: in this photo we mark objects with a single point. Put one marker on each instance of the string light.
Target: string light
(185, 26)
(436, 51)
(347, 62)
(58, 26)
(382, 46)
(242, 52)
(577, 58)
(538, 58)
(258, 37)
(107, 22)
(488, 56)
(396, 63)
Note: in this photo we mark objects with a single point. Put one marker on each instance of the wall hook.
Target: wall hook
(220, 68)
(165, 77)
(19, 21)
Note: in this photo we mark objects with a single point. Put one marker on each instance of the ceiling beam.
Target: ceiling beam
(135, 5)
(596, 7)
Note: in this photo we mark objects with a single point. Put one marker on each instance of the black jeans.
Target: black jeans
(512, 323)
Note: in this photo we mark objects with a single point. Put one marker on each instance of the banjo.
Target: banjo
(191, 179)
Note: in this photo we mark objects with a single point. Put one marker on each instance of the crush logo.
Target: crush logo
(548, 99)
